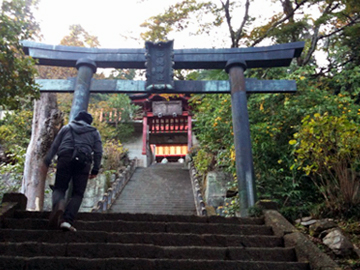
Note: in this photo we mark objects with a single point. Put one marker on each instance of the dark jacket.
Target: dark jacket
(84, 134)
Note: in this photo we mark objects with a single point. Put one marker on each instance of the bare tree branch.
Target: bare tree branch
(228, 20)
(290, 15)
(315, 37)
(235, 35)
(314, 41)
(240, 31)
(352, 22)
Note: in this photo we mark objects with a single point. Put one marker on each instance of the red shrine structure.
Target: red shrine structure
(166, 125)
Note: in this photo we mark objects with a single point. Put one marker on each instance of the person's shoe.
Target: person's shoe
(66, 226)
(57, 214)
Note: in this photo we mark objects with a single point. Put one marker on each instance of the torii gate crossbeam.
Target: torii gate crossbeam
(253, 86)
(255, 57)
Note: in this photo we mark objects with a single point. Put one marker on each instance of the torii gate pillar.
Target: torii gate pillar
(242, 140)
(86, 69)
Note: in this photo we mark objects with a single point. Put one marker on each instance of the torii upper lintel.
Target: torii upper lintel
(255, 57)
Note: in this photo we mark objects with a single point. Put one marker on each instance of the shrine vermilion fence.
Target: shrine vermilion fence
(168, 125)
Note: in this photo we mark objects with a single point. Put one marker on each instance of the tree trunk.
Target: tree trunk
(47, 121)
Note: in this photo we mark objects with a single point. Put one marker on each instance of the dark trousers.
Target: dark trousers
(65, 172)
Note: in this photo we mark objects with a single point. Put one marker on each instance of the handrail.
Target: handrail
(116, 188)
(199, 202)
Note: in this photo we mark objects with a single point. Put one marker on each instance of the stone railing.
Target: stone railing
(116, 188)
(199, 202)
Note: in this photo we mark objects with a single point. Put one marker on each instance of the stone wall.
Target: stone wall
(94, 191)
(135, 149)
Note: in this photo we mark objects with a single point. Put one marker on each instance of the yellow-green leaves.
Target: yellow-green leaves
(328, 151)
(292, 142)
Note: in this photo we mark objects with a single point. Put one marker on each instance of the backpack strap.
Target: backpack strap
(72, 134)
(73, 138)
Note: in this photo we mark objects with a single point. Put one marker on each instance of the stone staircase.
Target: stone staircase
(142, 241)
(158, 189)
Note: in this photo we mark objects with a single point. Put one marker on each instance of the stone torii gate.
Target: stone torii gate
(159, 60)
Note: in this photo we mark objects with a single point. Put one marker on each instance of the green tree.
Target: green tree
(17, 81)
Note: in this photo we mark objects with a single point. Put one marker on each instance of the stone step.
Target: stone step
(140, 204)
(143, 241)
(180, 202)
(157, 189)
(74, 263)
(154, 210)
(145, 217)
(144, 226)
(116, 250)
(159, 239)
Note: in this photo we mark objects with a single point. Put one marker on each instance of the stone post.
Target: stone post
(86, 69)
(244, 161)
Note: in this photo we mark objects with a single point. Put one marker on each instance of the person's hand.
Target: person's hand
(92, 176)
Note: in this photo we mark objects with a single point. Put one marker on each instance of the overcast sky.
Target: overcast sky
(117, 22)
(112, 20)
(109, 20)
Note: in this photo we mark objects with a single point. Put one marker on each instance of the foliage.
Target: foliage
(16, 167)
(122, 102)
(15, 129)
(79, 37)
(122, 74)
(107, 131)
(203, 161)
(327, 150)
(274, 118)
(117, 128)
(214, 127)
(322, 24)
(11, 173)
(256, 211)
(114, 155)
(17, 82)
(231, 206)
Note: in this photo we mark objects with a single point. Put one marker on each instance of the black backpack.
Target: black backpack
(81, 155)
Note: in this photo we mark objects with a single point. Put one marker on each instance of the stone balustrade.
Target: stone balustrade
(116, 188)
(199, 202)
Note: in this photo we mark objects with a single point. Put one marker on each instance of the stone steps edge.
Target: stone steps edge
(11, 263)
